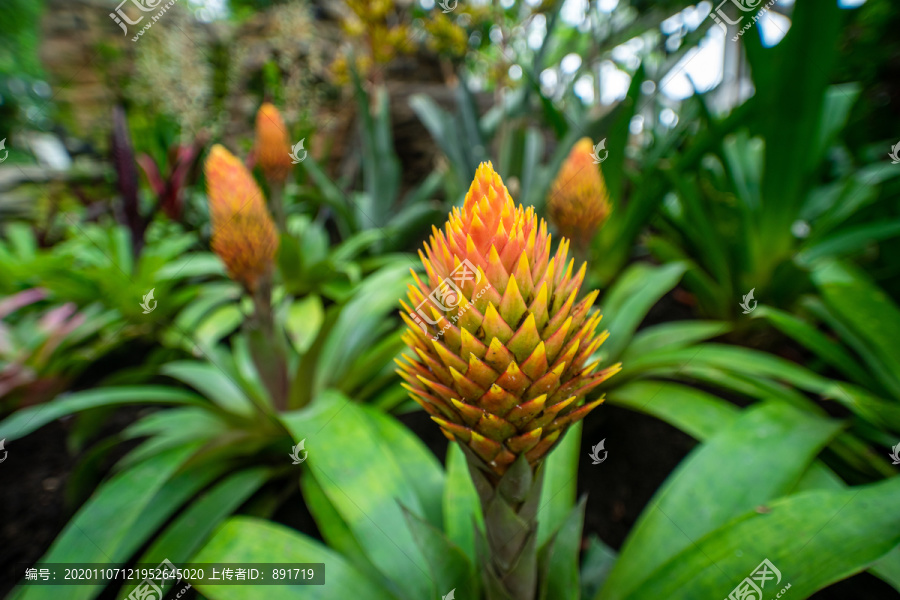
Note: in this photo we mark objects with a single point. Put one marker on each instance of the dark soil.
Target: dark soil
(34, 481)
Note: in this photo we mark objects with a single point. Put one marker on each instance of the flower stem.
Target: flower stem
(276, 201)
(267, 346)
(509, 505)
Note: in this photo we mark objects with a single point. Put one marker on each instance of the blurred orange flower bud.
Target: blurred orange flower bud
(273, 148)
(579, 201)
(243, 234)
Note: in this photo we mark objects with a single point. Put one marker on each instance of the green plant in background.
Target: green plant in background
(224, 443)
(379, 205)
(21, 74)
(866, 325)
(41, 353)
(766, 201)
(665, 363)
(93, 269)
(298, 347)
(465, 139)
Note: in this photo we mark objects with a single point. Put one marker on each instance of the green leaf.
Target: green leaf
(814, 539)
(757, 458)
(815, 341)
(707, 290)
(869, 312)
(32, 418)
(420, 465)
(248, 540)
(695, 412)
(888, 568)
(187, 533)
(333, 196)
(733, 359)
(213, 383)
(839, 100)
(304, 319)
(598, 562)
(849, 240)
(560, 484)
(245, 371)
(361, 323)
(331, 525)
(367, 480)
(196, 264)
(559, 559)
(672, 336)
(450, 568)
(628, 301)
(462, 509)
(218, 324)
(170, 428)
(445, 132)
(104, 528)
(792, 95)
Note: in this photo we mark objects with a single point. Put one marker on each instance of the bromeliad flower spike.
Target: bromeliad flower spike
(578, 202)
(243, 234)
(501, 363)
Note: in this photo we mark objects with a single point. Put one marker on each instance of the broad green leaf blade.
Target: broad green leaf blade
(23, 422)
(187, 534)
(440, 124)
(849, 241)
(757, 458)
(869, 312)
(887, 568)
(304, 319)
(450, 568)
(196, 264)
(213, 383)
(700, 415)
(560, 484)
(103, 529)
(839, 99)
(672, 336)
(217, 325)
(248, 540)
(628, 301)
(733, 359)
(367, 482)
(169, 428)
(792, 98)
(462, 509)
(331, 525)
(598, 562)
(815, 341)
(190, 479)
(707, 290)
(361, 323)
(693, 411)
(419, 465)
(559, 559)
(814, 539)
